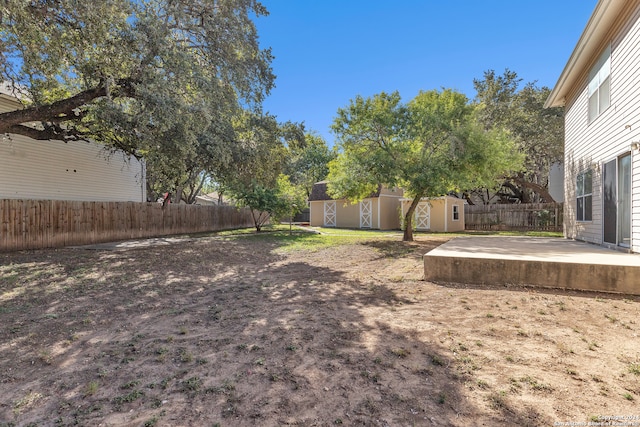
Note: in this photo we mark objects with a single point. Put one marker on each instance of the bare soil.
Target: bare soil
(238, 332)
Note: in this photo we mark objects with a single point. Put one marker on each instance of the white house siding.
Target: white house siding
(81, 171)
(609, 135)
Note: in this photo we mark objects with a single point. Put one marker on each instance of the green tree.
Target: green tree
(309, 161)
(160, 79)
(274, 202)
(254, 178)
(539, 132)
(431, 146)
(294, 198)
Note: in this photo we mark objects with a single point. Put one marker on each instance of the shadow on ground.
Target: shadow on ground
(226, 331)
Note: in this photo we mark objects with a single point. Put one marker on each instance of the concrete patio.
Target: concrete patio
(536, 261)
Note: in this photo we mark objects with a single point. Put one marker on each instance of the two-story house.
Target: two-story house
(600, 90)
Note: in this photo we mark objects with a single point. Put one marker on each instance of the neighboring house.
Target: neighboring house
(439, 214)
(601, 95)
(73, 170)
(381, 210)
(211, 199)
(556, 182)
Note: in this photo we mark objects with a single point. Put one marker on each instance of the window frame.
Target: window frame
(455, 213)
(599, 84)
(584, 198)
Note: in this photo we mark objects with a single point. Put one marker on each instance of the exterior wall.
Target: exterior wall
(75, 170)
(589, 145)
(348, 214)
(384, 204)
(437, 215)
(316, 213)
(389, 212)
(441, 213)
(455, 225)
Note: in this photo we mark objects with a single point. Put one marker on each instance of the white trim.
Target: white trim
(332, 216)
(378, 213)
(453, 207)
(446, 215)
(419, 221)
(366, 213)
(405, 199)
(388, 195)
(601, 20)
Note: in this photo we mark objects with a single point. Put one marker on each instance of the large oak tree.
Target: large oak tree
(502, 101)
(160, 79)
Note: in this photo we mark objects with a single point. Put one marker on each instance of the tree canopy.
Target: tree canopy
(160, 79)
(539, 132)
(309, 161)
(430, 146)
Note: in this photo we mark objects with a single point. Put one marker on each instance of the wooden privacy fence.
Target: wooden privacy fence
(35, 224)
(524, 217)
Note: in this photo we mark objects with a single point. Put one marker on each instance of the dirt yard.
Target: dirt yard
(249, 330)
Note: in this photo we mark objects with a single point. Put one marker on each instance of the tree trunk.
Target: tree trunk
(408, 219)
(467, 197)
(537, 188)
(194, 191)
(178, 198)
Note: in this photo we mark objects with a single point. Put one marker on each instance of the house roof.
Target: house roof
(319, 192)
(589, 45)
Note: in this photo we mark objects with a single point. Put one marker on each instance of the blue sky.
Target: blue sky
(328, 51)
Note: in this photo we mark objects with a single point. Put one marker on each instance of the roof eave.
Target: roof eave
(601, 20)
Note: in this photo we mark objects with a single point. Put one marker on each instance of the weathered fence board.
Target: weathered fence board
(524, 217)
(35, 224)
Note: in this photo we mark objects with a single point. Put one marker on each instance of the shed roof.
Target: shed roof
(602, 19)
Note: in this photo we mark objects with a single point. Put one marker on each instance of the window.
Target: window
(584, 185)
(600, 85)
(456, 212)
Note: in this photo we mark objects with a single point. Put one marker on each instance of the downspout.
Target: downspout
(379, 213)
(143, 183)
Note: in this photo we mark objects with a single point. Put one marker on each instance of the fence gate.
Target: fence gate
(422, 217)
(330, 213)
(365, 214)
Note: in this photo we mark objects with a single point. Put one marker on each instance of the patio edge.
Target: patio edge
(548, 274)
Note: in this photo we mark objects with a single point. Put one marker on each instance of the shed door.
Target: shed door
(421, 216)
(330, 213)
(365, 214)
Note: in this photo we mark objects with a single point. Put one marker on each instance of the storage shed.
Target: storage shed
(440, 214)
(380, 211)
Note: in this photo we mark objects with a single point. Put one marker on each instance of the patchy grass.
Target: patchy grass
(245, 328)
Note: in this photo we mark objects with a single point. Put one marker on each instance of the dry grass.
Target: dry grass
(275, 330)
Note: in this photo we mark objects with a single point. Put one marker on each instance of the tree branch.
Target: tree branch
(48, 133)
(536, 188)
(10, 122)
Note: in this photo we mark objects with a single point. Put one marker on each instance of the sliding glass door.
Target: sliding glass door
(616, 199)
